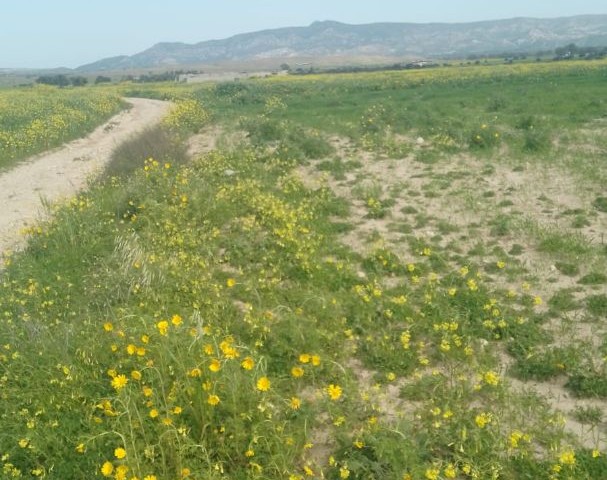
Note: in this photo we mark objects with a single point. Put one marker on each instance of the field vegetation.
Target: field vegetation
(393, 276)
(38, 118)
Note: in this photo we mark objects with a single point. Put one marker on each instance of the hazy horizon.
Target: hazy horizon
(65, 33)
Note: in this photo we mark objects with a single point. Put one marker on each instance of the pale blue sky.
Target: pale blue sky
(52, 33)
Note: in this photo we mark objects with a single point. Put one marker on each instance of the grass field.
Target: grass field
(375, 276)
(35, 119)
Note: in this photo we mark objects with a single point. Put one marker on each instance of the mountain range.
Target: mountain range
(330, 39)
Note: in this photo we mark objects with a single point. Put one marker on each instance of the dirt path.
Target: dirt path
(62, 172)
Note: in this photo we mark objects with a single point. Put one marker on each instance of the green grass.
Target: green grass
(208, 318)
(155, 142)
(38, 118)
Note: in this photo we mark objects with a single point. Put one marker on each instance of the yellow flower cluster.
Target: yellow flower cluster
(36, 119)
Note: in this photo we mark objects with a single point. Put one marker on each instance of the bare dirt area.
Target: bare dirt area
(62, 172)
(465, 204)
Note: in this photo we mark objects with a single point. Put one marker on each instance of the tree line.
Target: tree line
(61, 80)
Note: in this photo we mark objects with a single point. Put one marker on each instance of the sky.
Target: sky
(69, 33)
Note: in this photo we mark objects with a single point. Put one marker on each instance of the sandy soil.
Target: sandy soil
(60, 173)
(539, 192)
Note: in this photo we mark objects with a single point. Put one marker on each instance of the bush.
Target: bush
(536, 140)
(600, 203)
(187, 116)
(155, 142)
(485, 136)
(291, 141)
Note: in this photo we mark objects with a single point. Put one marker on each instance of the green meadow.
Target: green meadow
(398, 275)
(37, 118)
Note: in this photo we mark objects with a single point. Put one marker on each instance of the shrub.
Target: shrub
(187, 116)
(485, 136)
(155, 142)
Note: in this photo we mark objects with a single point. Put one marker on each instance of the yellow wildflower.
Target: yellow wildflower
(107, 469)
(163, 327)
(334, 392)
(483, 419)
(567, 458)
(491, 378)
(119, 382)
(248, 363)
(215, 365)
(263, 384)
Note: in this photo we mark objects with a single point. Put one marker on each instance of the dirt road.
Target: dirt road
(63, 171)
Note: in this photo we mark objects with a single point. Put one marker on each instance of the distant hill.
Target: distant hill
(406, 40)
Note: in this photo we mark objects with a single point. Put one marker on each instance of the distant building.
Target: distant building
(420, 64)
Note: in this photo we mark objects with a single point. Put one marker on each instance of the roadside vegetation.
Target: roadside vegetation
(393, 276)
(36, 119)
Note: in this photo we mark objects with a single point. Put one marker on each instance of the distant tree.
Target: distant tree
(102, 79)
(79, 81)
(57, 80)
(285, 66)
(157, 77)
(568, 51)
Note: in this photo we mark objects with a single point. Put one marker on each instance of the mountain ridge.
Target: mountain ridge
(330, 38)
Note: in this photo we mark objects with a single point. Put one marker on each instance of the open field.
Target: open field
(35, 119)
(378, 276)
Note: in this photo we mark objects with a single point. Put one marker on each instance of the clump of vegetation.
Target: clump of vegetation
(156, 142)
(600, 203)
(187, 116)
(593, 278)
(597, 305)
(62, 80)
(484, 136)
(36, 119)
(289, 140)
(569, 269)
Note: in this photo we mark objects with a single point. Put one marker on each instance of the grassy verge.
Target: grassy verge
(36, 119)
(227, 324)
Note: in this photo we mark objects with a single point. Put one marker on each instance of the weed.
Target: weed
(593, 278)
(484, 137)
(338, 167)
(156, 142)
(516, 249)
(569, 269)
(563, 301)
(600, 203)
(409, 210)
(597, 305)
(588, 415)
(536, 140)
(580, 221)
(542, 365)
(501, 225)
(588, 383)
